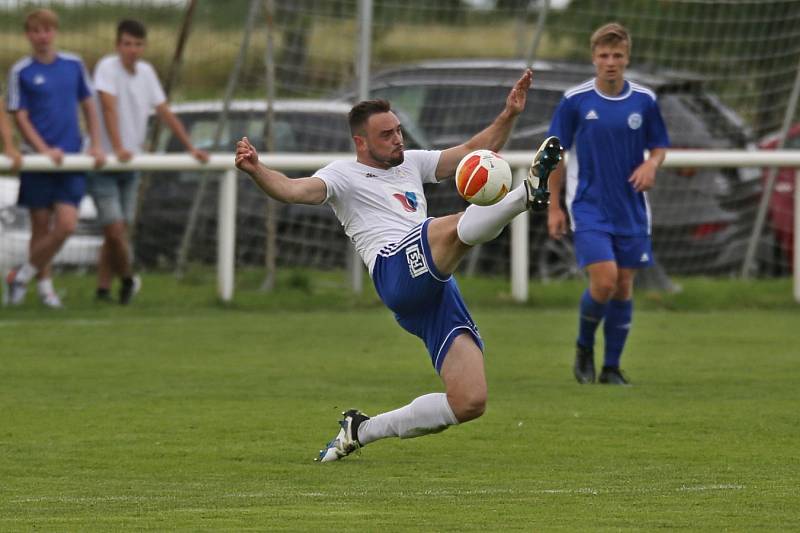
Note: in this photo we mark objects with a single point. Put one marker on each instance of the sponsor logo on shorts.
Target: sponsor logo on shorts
(416, 261)
(645, 258)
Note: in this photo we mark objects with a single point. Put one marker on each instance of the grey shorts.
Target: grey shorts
(114, 195)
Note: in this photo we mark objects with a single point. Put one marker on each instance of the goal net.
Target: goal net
(723, 72)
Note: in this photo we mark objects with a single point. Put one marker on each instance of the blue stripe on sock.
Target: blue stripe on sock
(591, 314)
(616, 328)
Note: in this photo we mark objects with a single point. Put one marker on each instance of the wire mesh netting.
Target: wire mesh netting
(723, 72)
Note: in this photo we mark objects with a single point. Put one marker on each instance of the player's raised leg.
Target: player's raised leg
(452, 236)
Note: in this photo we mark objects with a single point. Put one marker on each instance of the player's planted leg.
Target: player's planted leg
(464, 378)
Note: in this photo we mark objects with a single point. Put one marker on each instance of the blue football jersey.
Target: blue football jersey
(606, 138)
(51, 93)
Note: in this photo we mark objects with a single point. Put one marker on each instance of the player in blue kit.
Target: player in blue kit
(44, 93)
(606, 124)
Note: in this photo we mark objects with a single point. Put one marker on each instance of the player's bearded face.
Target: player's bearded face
(384, 140)
(391, 159)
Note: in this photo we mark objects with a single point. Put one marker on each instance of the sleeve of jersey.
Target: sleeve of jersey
(657, 136)
(84, 83)
(15, 97)
(334, 182)
(157, 96)
(426, 162)
(562, 125)
(103, 79)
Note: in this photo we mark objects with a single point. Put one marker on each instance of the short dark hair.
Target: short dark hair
(134, 28)
(361, 112)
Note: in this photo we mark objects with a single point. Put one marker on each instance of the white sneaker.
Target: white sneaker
(544, 161)
(346, 442)
(13, 291)
(50, 299)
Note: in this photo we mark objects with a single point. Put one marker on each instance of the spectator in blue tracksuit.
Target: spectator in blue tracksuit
(606, 124)
(45, 91)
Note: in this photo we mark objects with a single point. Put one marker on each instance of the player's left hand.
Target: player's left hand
(515, 102)
(99, 156)
(644, 177)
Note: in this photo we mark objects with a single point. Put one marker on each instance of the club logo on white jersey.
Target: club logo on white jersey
(645, 258)
(592, 115)
(634, 121)
(38, 79)
(416, 261)
(408, 200)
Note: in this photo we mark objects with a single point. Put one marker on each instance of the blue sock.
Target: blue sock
(616, 328)
(591, 314)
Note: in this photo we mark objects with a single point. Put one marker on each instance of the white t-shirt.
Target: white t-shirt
(378, 207)
(137, 95)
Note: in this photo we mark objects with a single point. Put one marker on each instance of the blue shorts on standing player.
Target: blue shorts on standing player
(425, 302)
(598, 246)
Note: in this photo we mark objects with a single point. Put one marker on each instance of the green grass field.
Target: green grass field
(180, 413)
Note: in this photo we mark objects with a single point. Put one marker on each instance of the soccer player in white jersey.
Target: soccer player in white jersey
(607, 123)
(380, 202)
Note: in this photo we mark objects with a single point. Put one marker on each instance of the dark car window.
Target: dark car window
(318, 132)
(450, 114)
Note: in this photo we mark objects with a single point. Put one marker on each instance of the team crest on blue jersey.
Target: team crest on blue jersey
(634, 121)
(409, 201)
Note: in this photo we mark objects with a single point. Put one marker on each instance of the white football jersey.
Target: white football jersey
(378, 207)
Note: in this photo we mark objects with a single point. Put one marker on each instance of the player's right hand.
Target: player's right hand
(246, 156)
(556, 223)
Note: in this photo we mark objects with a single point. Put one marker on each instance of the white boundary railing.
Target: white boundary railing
(223, 162)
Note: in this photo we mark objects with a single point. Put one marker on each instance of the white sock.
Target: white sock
(427, 414)
(481, 224)
(45, 286)
(25, 273)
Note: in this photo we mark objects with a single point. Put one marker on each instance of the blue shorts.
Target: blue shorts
(628, 252)
(425, 302)
(114, 195)
(45, 189)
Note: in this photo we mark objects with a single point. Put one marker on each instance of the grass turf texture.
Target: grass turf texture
(179, 413)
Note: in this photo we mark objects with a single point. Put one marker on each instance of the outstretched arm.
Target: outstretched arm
(277, 185)
(168, 117)
(494, 136)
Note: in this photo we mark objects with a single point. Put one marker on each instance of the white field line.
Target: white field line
(430, 492)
